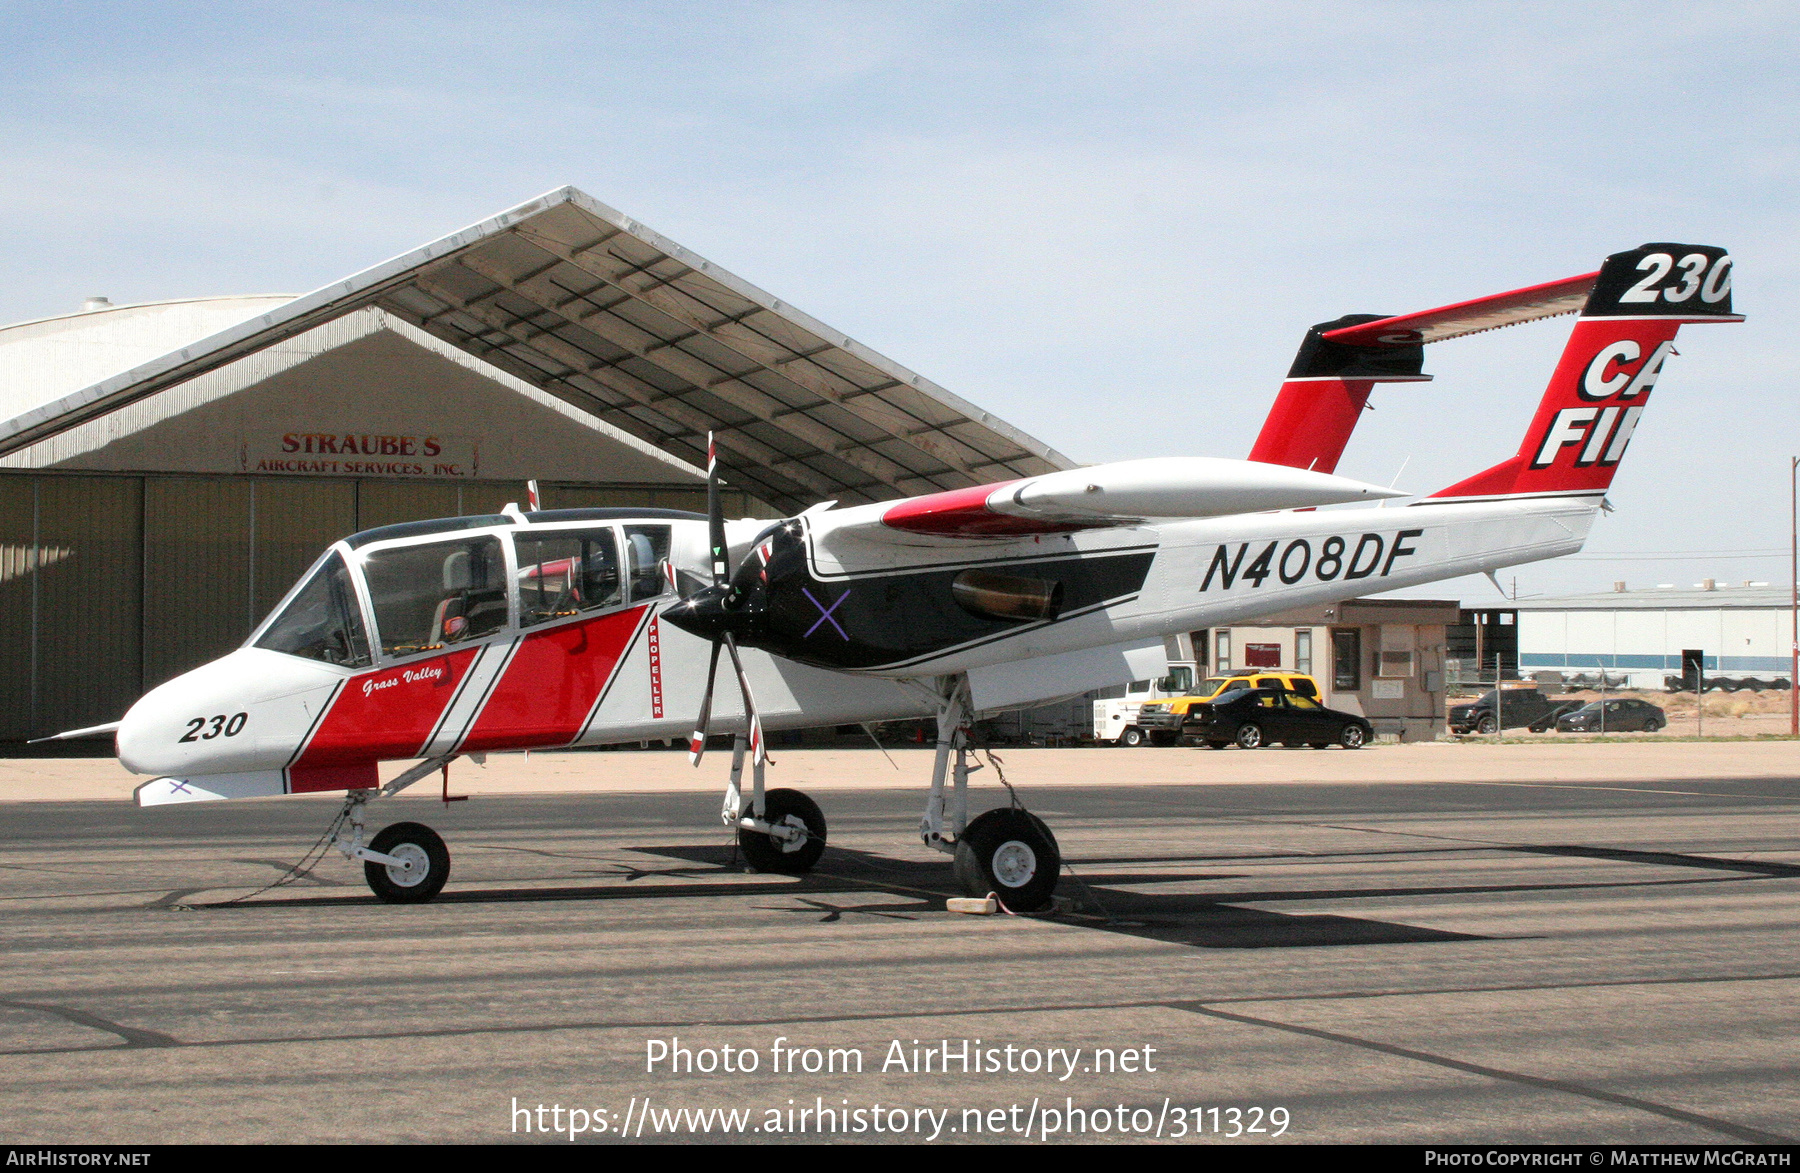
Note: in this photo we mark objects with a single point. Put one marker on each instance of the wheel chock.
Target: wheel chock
(973, 905)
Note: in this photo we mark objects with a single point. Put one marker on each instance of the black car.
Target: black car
(1622, 715)
(1519, 708)
(1255, 717)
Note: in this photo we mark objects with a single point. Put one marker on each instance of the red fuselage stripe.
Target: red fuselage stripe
(386, 714)
(552, 684)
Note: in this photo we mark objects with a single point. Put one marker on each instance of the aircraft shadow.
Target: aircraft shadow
(1202, 921)
(1112, 902)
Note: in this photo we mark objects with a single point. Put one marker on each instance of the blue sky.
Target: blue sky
(1107, 223)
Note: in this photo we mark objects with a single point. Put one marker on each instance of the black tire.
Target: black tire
(1487, 724)
(417, 844)
(1652, 725)
(1218, 745)
(1353, 737)
(1249, 736)
(766, 855)
(1011, 853)
(1133, 736)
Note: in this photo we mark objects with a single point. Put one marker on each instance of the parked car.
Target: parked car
(1620, 715)
(1254, 717)
(1161, 722)
(1518, 708)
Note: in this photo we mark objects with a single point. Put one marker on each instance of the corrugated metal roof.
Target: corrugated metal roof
(587, 304)
(1728, 598)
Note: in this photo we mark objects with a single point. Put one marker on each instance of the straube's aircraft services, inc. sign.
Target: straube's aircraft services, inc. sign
(364, 454)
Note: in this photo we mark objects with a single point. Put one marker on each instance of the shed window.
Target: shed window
(1346, 659)
(323, 621)
(426, 597)
(566, 573)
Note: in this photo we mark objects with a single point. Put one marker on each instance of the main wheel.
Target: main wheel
(1011, 853)
(423, 868)
(793, 809)
(1487, 724)
(1133, 736)
(1652, 725)
(1352, 737)
(1249, 736)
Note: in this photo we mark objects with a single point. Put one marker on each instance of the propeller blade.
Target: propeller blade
(759, 752)
(715, 516)
(697, 743)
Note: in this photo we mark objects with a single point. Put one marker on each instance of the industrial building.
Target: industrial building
(168, 470)
(1637, 637)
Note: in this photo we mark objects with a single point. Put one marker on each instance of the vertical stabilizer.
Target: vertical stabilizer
(1325, 393)
(1616, 352)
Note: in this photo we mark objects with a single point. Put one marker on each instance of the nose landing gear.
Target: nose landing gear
(422, 864)
(406, 863)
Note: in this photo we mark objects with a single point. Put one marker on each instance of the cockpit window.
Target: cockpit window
(426, 597)
(646, 552)
(323, 621)
(565, 573)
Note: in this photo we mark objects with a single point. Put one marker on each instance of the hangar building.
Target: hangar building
(168, 470)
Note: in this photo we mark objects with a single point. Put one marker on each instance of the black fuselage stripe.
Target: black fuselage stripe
(488, 692)
(461, 687)
(306, 740)
(650, 614)
(997, 636)
(935, 567)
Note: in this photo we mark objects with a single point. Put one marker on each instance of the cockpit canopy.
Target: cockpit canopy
(421, 588)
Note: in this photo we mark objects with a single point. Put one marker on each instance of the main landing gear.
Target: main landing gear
(782, 831)
(1007, 852)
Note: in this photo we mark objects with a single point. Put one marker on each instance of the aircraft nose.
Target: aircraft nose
(245, 711)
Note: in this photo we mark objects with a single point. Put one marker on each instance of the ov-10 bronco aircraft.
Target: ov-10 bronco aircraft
(542, 629)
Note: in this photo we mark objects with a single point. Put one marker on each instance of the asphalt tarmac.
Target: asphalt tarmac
(1429, 962)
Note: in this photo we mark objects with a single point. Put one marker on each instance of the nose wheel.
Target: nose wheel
(420, 864)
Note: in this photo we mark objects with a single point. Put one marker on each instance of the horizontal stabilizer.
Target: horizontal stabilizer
(1128, 492)
(1471, 317)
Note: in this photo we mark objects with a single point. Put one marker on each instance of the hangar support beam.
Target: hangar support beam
(734, 333)
(579, 362)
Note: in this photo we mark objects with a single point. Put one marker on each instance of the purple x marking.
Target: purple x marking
(178, 786)
(825, 614)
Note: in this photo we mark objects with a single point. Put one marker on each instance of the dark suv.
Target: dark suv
(1519, 708)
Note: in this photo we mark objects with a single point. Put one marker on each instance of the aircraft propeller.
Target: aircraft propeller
(720, 591)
